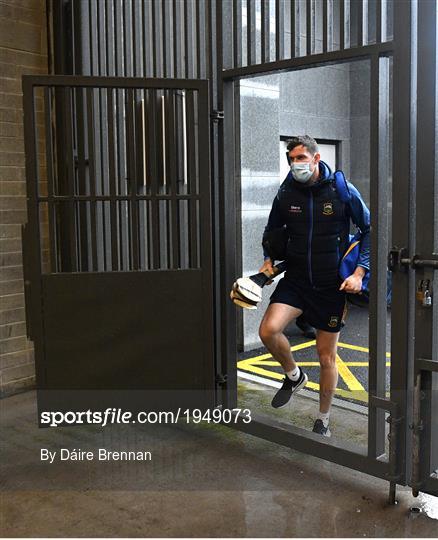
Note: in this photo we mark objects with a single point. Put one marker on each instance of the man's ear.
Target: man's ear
(317, 157)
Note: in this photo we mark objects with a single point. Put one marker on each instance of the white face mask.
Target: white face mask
(301, 172)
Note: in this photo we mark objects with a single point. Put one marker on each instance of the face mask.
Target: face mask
(301, 172)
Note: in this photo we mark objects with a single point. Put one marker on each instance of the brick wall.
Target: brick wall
(23, 50)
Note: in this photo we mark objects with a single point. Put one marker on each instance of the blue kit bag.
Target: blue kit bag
(351, 256)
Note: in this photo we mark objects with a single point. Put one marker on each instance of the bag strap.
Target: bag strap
(342, 186)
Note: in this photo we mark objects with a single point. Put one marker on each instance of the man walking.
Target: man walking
(318, 222)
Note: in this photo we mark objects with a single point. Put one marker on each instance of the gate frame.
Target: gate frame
(34, 277)
(399, 406)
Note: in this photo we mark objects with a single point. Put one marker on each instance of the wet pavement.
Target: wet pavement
(203, 481)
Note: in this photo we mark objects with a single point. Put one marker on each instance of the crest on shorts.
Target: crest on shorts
(327, 209)
(333, 322)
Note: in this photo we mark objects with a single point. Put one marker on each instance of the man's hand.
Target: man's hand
(353, 284)
(267, 268)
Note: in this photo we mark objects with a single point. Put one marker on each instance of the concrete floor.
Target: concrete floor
(203, 481)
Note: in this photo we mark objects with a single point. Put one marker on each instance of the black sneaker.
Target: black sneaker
(307, 330)
(319, 427)
(289, 387)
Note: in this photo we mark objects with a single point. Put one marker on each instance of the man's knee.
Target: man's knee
(267, 330)
(327, 358)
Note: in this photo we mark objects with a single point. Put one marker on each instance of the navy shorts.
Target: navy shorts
(324, 309)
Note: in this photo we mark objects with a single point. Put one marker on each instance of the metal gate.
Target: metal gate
(118, 241)
(397, 35)
(225, 41)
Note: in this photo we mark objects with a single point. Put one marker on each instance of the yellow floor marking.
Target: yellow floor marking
(349, 363)
(358, 348)
(355, 389)
(349, 379)
(294, 348)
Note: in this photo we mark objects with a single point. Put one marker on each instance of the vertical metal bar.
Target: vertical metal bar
(237, 32)
(179, 46)
(127, 41)
(264, 30)
(112, 180)
(426, 92)
(416, 435)
(131, 150)
(341, 25)
(110, 39)
(359, 23)
(250, 32)
(205, 217)
(379, 248)
(324, 25)
(82, 187)
(169, 99)
(140, 155)
(403, 190)
(378, 21)
(191, 172)
(148, 39)
(201, 40)
(353, 19)
(72, 266)
(229, 345)
(164, 149)
(189, 44)
(33, 228)
(92, 175)
(154, 160)
(157, 43)
(293, 49)
(138, 38)
(167, 38)
(50, 176)
(279, 29)
(308, 27)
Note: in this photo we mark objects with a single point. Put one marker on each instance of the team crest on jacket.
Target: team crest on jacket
(327, 209)
(333, 322)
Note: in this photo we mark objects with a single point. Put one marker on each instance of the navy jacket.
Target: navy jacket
(318, 223)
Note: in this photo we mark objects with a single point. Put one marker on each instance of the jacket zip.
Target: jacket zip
(309, 252)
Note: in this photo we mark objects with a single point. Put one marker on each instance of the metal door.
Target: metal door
(381, 36)
(423, 262)
(118, 264)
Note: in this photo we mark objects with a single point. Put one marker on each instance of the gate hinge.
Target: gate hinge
(221, 378)
(217, 115)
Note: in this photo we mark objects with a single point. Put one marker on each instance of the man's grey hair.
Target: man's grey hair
(306, 141)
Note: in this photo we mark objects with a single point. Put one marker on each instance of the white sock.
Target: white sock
(324, 416)
(294, 375)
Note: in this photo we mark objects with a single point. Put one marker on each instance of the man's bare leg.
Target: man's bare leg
(327, 345)
(275, 320)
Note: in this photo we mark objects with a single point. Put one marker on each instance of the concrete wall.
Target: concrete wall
(327, 103)
(22, 51)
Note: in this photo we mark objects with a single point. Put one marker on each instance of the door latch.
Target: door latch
(398, 259)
